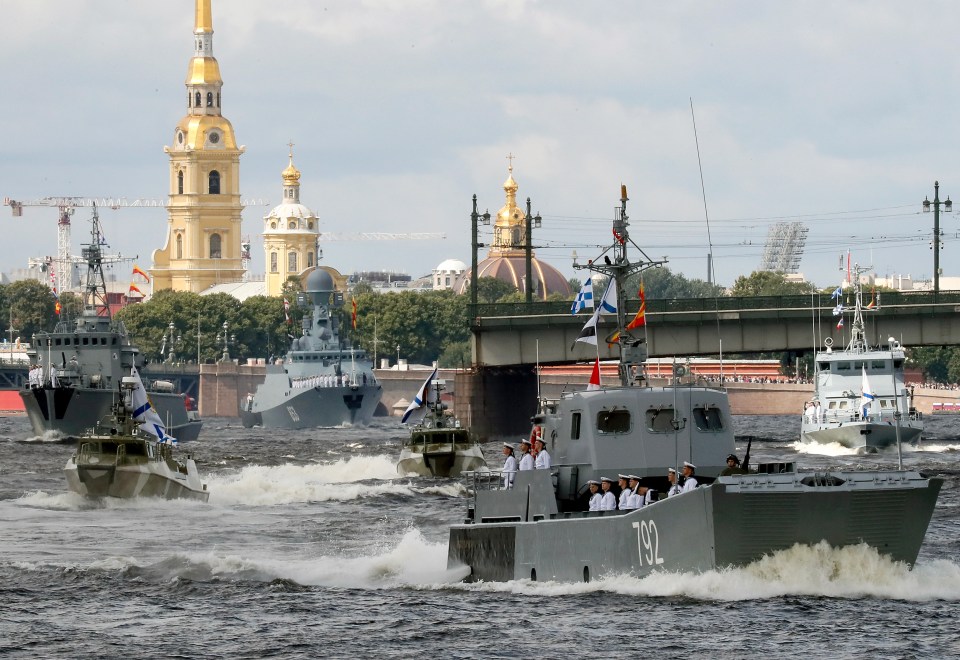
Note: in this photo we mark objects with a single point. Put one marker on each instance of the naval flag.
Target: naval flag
(584, 297)
(589, 332)
(417, 408)
(608, 304)
(594, 383)
(837, 292)
(144, 413)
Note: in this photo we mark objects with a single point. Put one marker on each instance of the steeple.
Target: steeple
(203, 73)
(204, 21)
(204, 243)
(508, 231)
(291, 181)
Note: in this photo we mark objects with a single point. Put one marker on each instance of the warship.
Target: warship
(128, 455)
(536, 525)
(80, 364)
(438, 446)
(860, 398)
(318, 383)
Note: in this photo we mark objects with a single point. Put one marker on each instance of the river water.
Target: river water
(311, 546)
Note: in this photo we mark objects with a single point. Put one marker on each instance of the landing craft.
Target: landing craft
(539, 528)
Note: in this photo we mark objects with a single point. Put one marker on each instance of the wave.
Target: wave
(343, 480)
(49, 437)
(822, 449)
(854, 572)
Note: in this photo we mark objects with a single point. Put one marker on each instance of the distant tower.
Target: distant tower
(506, 259)
(784, 248)
(290, 233)
(204, 242)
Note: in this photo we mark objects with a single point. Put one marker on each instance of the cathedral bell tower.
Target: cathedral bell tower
(203, 241)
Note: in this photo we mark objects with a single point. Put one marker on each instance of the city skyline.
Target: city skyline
(400, 112)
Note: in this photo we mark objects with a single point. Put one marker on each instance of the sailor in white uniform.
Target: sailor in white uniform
(543, 457)
(689, 481)
(626, 494)
(526, 460)
(595, 496)
(674, 486)
(608, 501)
(509, 466)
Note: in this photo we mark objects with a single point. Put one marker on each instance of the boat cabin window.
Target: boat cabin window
(708, 419)
(883, 403)
(575, 426)
(823, 366)
(660, 420)
(843, 366)
(858, 365)
(897, 364)
(878, 365)
(843, 405)
(86, 340)
(56, 341)
(613, 421)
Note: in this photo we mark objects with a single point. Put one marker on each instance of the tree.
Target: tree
(29, 307)
(492, 290)
(769, 283)
(663, 284)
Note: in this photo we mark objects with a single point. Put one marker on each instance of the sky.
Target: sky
(836, 115)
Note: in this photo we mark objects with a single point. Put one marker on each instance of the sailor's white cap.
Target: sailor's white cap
(508, 445)
(593, 482)
(671, 470)
(607, 479)
(525, 441)
(623, 476)
(633, 477)
(689, 465)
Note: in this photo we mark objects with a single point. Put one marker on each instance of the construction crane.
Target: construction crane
(65, 208)
(381, 236)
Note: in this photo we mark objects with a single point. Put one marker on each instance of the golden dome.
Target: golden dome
(291, 175)
(197, 130)
(203, 71)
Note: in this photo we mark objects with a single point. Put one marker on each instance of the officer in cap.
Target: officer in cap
(674, 486)
(595, 496)
(509, 465)
(623, 502)
(689, 481)
(543, 458)
(526, 460)
(608, 501)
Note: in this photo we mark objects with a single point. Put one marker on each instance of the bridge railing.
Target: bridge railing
(722, 304)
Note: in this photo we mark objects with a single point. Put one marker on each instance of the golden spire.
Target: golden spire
(204, 20)
(508, 228)
(291, 175)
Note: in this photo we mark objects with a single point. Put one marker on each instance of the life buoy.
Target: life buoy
(536, 433)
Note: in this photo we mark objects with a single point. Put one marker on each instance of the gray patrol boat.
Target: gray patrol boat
(539, 528)
(860, 397)
(318, 383)
(118, 459)
(83, 362)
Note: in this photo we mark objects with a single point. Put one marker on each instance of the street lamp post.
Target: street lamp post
(935, 245)
(228, 339)
(532, 221)
(475, 217)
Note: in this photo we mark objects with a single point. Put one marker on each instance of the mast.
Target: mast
(95, 289)
(618, 268)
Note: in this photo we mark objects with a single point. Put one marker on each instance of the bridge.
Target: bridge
(514, 334)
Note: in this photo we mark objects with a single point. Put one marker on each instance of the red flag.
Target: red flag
(133, 287)
(354, 316)
(594, 383)
(137, 271)
(620, 239)
(638, 321)
(57, 308)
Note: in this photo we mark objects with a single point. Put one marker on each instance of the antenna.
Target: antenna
(711, 273)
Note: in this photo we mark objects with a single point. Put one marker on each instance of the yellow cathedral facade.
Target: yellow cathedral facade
(203, 245)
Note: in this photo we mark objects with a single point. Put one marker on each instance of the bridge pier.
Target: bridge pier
(496, 403)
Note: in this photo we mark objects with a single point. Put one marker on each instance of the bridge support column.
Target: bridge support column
(496, 403)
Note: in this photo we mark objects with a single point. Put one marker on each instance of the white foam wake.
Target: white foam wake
(823, 449)
(852, 572)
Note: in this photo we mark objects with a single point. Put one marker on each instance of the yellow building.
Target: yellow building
(203, 241)
(290, 233)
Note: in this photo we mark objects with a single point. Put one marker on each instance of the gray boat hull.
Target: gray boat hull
(103, 475)
(860, 434)
(74, 411)
(732, 522)
(306, 408)
(440, 459)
